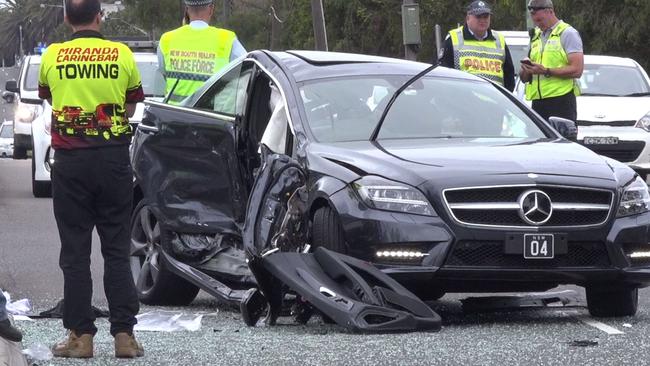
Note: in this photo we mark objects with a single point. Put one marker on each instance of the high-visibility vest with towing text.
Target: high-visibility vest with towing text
(550, 55)
(192, 56)
(483, 58)
(90, 80)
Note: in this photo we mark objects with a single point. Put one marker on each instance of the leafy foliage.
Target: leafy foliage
(366, 26)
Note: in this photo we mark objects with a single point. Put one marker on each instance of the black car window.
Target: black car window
(349, 109)
(228, 94)
(456, 108)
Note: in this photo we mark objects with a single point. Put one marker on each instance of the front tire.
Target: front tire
(156, 285)
(327, 231)
(612, 302)
(40, 189)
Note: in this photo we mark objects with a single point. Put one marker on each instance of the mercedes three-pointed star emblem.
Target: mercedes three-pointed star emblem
(535, 207)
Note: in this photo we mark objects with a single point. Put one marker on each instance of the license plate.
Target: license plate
(612, 140)
(539, 246)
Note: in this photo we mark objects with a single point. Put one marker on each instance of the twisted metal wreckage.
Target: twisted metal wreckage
(278, 271)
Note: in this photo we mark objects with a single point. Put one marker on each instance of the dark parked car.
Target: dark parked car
(450, 185)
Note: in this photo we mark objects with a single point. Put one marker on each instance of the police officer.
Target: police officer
(7, 331)
(189, 55)
(93, 86)
(556, 60)
(479, 50)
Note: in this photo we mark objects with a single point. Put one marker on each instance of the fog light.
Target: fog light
(640, 255)
(407, 254)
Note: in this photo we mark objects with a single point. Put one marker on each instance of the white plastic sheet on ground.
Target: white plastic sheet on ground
(10, 354)
(39, 352)
(168, 321)
(20, 307)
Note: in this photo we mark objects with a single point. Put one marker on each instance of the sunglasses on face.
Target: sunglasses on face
(535, 9)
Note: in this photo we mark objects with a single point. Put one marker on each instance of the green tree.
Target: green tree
(37, 20)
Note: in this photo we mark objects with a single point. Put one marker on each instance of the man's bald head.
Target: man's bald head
(82, 12)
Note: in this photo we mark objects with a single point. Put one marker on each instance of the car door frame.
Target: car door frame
(218, 203)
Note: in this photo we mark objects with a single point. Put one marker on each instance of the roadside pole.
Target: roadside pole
(411, 29)
(318, 18)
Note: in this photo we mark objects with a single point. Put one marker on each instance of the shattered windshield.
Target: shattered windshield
(348, 109)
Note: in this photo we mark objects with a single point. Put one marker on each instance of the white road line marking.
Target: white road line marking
(591, 322)
(601, 326)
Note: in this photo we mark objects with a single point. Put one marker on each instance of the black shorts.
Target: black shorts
(563, 106)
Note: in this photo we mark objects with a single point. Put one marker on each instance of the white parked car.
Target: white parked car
(43, 154)
(614, 110)
(27, 105)
(6, 139)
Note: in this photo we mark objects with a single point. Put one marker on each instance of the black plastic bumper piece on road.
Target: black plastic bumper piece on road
(353, 293)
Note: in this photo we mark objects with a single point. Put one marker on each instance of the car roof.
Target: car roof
(610, 60)
(145, 56)
(34, 59)
(516, 38)
(312, 65)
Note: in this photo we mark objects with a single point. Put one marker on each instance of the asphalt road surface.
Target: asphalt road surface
(562, 335)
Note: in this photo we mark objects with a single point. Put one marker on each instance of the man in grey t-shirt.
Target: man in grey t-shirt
(556, 60)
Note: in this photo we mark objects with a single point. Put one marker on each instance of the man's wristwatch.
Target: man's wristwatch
(547, 73)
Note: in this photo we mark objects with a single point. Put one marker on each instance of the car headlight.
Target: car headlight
(384, 194)
(644, 122)
(635, 199)
(25, 113)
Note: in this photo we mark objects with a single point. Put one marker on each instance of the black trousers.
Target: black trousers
(563, 106)
(93, 188)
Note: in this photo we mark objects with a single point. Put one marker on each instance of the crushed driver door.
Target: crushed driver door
(185, 159)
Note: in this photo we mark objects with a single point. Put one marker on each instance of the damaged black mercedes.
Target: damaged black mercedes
(359, 186)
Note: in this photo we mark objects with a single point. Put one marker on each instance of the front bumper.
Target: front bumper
(594, 256)
(633, 147)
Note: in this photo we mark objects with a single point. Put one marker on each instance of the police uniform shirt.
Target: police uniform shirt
(237, 51)
(447, 57)
(90, 80)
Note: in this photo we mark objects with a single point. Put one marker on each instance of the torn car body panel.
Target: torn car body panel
(351, 292)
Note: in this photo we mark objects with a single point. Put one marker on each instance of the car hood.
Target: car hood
(607, 109)
(459, 161)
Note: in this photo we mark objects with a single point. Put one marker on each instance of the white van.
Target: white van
(27, 106)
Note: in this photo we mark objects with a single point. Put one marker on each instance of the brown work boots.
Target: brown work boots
(74, 346)
(127, 347)
(82, 346)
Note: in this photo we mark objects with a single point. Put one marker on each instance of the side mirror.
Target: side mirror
(8, 96)
(12, 86)
(566, 127)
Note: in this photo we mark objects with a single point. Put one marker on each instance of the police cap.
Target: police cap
(478, 7)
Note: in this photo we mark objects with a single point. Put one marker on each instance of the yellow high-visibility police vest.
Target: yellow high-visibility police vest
(89, 80)
(550, 55)
(192, 56)
(483, 58)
